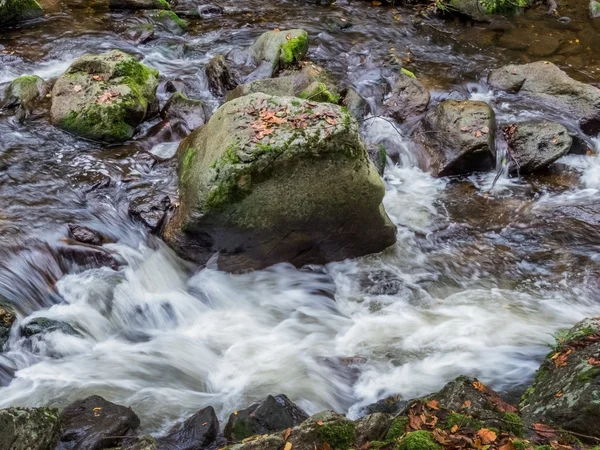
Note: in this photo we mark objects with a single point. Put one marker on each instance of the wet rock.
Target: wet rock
(373, 427)
(169, 21)
(141, 443)
(95, 424)
(140, 33)
(163, 132)
(13, 11)
(392, 404)
(290, 85)
(239, 198)
(151, 211)
(381, 282)
(567, 384)
(28, 429)
(173, 86)
(277, 50)
(483, 12)
(139, 4)
(220, 79)
(208, 11)
(327, 426)
(196, 433)
(356, 104)
(164, 151)
(86, 235)
(43, 325)
(84, 256)
(24, 91)
(458, 137)
(378, 157)
(594, 9)
(104, 97)
(270, 415)
(545, 82)
(8, 316)
(536, 145)
(546, 46)
(408, 99)
(190, 111)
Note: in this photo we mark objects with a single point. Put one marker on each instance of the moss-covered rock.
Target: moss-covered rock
(24, 91)
(28, 429)
(481, 10)
(273, 179)
(277, 50)
(318, 92)
(13, 11)
(566, 391)
(8, 316)
(418, 440)
(104, 97)
(190, 111)
(170, 21)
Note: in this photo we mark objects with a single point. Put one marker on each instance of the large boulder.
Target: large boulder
(408, 99)
(536, 145)
(270, 415)
(545, 82)
(13, 11)
(272, 179)
(95, 424)
(195, 433)
(458, 137)
(104, 97)
(277, 50)
(28, 429)
(7, 318)
(566, 390)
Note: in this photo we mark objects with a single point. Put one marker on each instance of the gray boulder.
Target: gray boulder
(277, 50)
(268, 416)
(13, 11)
(196, 433)
(408, 99)
(458, 137)
(536, 145)
(104, 97)
(355, 103)
(8, 316)
(545, 82)
(28, 429)
(253, 187)
(220, 78)
(566, 389)
(373, 427)
(189, 111)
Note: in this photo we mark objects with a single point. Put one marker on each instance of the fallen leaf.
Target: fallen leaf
(433, 404)
(235, 413)
(288, 36)
(77, 88)
(508, 446)
(320, 422)
(454, 429)
(276, 30)
(594, 362)
(288, 446)
(287, 433)
(559, 394)
(204, 424)
(486, 436)
(98, 77)
(97, 411)
(543, 430)
(376, 3)
(466, 404)
(478, 133)
(479, 386)
(326, 446)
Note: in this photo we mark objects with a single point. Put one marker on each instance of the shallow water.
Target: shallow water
(480, 278)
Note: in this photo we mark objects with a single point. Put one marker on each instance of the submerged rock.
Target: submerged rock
(86, 235)
(139, 4)
(277, 50)
(42, 325)
(272, 414)
(219, 76)
(567, 384)
(13, 11)
(170, 21)
(272, 179)
(536, 145)
(24, 91)
(196, 433)
(104, 97)
(95, 424)
(545, 82)
(188, 110)
(408, 99)
(458, 137)
(8, 316)
(28, 429)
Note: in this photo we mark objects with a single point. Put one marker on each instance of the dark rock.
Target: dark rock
(173, 86)
(28, 429)
(140, 33)
(141, 443)
(151, 211)
(373, 427)
(196, 433)
(86, 235)
(13, 11)
(458, 137)
(95, 424)
(220, 79)
(272, 414)
(536, 145)
(389, 405)
(409, 99)
(88, 257)
(208, 11)
(139, 4)
(8, 315)
(42, 325)
(545, 82)
(356, 104)
(571, 370)
(378, 157)
(164, 131)
(190, 111)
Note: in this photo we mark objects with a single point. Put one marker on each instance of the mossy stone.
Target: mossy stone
(13, 11)
(418, 440)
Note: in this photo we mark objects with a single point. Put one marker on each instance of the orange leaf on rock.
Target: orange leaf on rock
(433, 404)
(454, 429)
(440, 436)
(287, 433)
(288, 36)
(594, 362)
(479, 386)
(287, 446)
(559, 394)
(466, 404)
(320, 422)
(508, 446)
(486, 436)
(543, 430)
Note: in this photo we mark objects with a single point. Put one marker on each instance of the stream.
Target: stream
(482, 274)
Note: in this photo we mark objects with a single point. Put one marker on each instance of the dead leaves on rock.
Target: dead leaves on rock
(107, 97)
(493, 398)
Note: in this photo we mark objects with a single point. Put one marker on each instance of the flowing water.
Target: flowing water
(483, 273)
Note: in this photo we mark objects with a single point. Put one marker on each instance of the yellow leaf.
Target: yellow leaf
(235, 413)
(454, 429)
(486, 436)
(288, 446)
(288, 431)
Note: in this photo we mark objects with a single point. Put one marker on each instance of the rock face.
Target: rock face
(545, 82)
(196, 433)
(572, 370)
(253, 188)
(220, 79)
(139, 4)
(95, 424)
(277, 50)
(536, 145)
(272, 414)
(594, 9)
(23, 91)
(458, 136)
(28, 429)
(7, 319)
(104, 97)
(409, 99)
(190, 111)
(13, 11)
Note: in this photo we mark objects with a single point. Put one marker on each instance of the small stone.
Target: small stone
(164, 151)
(86, 235)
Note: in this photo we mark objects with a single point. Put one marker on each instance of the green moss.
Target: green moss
(518, 444)
(382, 155)
(318, 92)
(548, 447)
(589, 374)
(135, 71)
(339, 435)
(15, 10)
(100, 122)
(164, 4)
(462, 421)
(513, 424)
(293, 51)
(186, 163)
(418, 440)
(408, 73)
(167, 15)
(397, 428)
(376, 445)
(295, 103)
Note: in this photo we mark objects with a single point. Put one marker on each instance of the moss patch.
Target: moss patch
(397, 428)
(418, 440)
(318, 92)
(170, 16)
(513, 424)
(462, 421)
(339, 435)
(589, 374)
(408, 73)
(293, 51)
